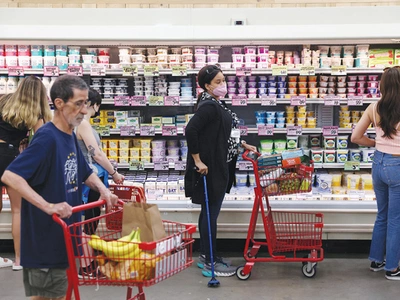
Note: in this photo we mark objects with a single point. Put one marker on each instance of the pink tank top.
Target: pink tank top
(384, 144)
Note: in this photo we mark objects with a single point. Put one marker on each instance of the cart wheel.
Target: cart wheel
(308, 274)
(240, 275)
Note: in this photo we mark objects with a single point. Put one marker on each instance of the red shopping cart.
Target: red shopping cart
(288, 234)
(138, 264)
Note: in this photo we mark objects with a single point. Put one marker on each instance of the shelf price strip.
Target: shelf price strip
(127, 130)
(161, 166)
(268, 100)
(330, 130)
(179, 71)
(97, 70)
(138, 101)
(355, 100)
(352, 166)
(151, 71)
(294, 130)
(75, 70)
(298, 100)
(243, 72)
(156, 100)
(16, 71)
(135, 165)
(243, 130)
(129, 71)
(180, 166)
(307, 71)
(103, 130)
(338, 70)
(279, 70)
(265, 129)
(244, 166)
(122, 101)
(51, 71)
(169, 131)
(147, 131)
(331, 100)
(171, 100)
(239, 101)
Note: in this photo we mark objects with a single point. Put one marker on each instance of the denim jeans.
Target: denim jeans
(386, 233)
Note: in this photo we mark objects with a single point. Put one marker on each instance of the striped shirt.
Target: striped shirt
(385, 144)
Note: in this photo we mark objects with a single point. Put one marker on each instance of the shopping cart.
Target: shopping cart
(151, 263)
(289, 235)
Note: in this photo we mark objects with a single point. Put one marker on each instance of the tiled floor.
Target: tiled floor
(337, 278)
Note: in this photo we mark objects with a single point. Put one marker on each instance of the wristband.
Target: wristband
(115, 171)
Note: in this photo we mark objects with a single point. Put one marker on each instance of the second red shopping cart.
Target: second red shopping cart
(289, 236)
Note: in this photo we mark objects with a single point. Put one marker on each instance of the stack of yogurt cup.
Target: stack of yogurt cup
(160, 86)
(138, 85)
(172, 150)
(158, 150)
(276, 86)
(103, 57)
(200, 57)
(186, 88)
(109, 85)
(311, 57)
(37, 57)
(74, 57)
(148, 86)
(121, 89)
(174, 88)
(362, 58)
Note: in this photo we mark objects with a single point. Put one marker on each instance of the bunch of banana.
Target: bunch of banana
(119, 250)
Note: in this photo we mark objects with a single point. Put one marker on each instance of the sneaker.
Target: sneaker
(220, 270)
(202, 261)
(85, 273)
(393, 275)
(376, 266)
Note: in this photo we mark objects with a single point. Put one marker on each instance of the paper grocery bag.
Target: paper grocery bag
(144, 216)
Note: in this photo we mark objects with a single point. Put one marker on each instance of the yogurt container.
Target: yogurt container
(36, 50)
(342, 155)
(368, 155)
(267, 144)
(61, 50)
(355, 155)
(291, 142)
(329, 156)
(317, 155)
(329, 142)
(342, 141)
(37, 62)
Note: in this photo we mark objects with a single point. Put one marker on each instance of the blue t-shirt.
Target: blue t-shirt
(54, 166)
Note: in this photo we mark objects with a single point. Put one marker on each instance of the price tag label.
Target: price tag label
(294, 130)
(103, 130)
(127, 130)
(98, 70)
(331, 100)
(161, 166)
(355, 100)
(135, 165)
(16, 71)
(338, 70)
(307, 71)
(75, 70)
(243, 71)
(147, 131)
(265, 129)
(151, 71)
(298, 100)
(51, 71)
(352, 166)
(268, 100)
(171, 100)
(129, 71)
(279, 70)
(330, 130)
(169, 130)
(179, 71)
(245, 166)
(243, 130)
(122, 101)
(180, 165)
(138, 101)
(239, 101)
(156, 100)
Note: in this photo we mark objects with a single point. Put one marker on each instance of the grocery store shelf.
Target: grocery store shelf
(118, 72)
(183, 101)
(339, 165)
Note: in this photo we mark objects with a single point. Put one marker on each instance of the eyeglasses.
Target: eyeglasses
(211, 69)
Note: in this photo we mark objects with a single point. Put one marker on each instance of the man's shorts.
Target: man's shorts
(48, 283)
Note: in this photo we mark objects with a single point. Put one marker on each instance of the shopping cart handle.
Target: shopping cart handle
(246, 155)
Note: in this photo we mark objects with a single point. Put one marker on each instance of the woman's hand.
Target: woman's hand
(23, 145)
(248, 147)
(201, 168)
(118, 178)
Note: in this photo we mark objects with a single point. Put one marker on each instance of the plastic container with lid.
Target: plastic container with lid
(317, 155)
(355, 155)
(353, 181)
(342, 141)
(12, 84)
(342, 155)
(329, 142)
(291, 142)
(267, 144)
(3, 85)
(336, 179)
(366, 182)
(329, 156)
(368, 155)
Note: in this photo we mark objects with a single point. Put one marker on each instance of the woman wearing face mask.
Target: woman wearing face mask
(212, 150)
(89, 142)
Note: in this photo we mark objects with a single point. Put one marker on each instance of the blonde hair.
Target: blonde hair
(25, 107)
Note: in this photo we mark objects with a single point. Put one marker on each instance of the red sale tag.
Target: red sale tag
(51, 71)
(239, 101)
(265, 129)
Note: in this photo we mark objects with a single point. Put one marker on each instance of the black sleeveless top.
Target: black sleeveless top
(11, 135)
